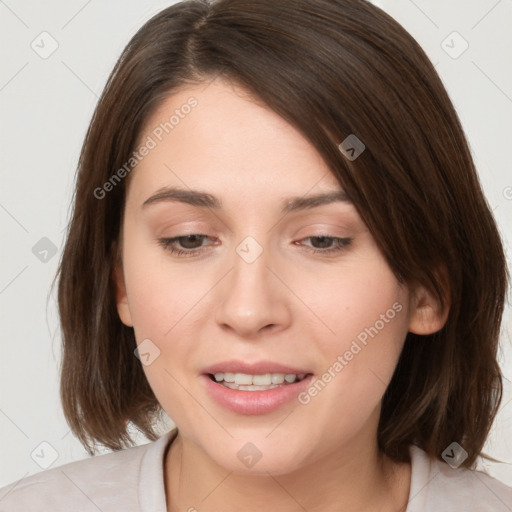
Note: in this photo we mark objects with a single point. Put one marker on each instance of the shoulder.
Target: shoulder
(103, 482)
(435, 485)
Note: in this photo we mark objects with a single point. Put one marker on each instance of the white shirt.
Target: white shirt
(132, 480)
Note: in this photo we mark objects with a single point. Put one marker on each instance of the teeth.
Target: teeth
(268, 380)
(258, 380)
(243, 379)
(277, 378)
(232, 385)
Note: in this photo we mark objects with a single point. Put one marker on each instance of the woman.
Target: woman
(279, 240)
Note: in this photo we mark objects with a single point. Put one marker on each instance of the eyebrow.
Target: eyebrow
(205, 200)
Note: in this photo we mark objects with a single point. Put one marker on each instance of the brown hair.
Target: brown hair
(330, 68)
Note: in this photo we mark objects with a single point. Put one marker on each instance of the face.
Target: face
(212, 283)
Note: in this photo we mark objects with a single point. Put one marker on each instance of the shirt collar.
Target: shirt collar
(152, 481)
(422, 473)
(151, 476)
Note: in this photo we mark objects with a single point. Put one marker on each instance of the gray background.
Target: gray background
(46, 105)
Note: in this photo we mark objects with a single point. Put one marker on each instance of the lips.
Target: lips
(251, 401)
(254, 399)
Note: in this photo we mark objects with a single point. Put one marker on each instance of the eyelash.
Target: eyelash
(167, 243)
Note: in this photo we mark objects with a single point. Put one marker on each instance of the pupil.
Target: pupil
(190, 238)
(326, 241)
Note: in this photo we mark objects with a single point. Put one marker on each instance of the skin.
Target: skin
(290, 305)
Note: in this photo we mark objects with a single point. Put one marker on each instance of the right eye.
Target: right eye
(186, 245)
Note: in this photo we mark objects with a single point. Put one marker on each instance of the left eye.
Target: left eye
(329, 244)
(192, 244)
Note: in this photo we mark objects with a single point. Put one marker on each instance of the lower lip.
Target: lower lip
(254, 402)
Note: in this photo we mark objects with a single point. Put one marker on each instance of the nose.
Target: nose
(252, 299)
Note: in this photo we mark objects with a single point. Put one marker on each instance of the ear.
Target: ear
(426, 314)
(123, 308)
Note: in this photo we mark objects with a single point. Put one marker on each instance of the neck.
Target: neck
(356, 477)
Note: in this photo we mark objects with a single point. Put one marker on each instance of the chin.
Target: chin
(259, 456)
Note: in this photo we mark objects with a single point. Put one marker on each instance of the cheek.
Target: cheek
(169, 305)
(165, 314)
(162, 297)
(360, 297)
(365, 309)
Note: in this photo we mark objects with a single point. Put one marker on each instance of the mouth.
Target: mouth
(251, 388)
(256, 382)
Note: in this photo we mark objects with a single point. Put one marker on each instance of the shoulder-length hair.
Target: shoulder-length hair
(331, 68)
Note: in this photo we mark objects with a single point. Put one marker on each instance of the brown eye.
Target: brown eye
(328, 244)
(183, 245)
(323, 242)
(190, 241)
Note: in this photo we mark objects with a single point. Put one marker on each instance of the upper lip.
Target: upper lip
(256, 368)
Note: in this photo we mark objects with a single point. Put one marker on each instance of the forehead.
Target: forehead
(217, 137)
